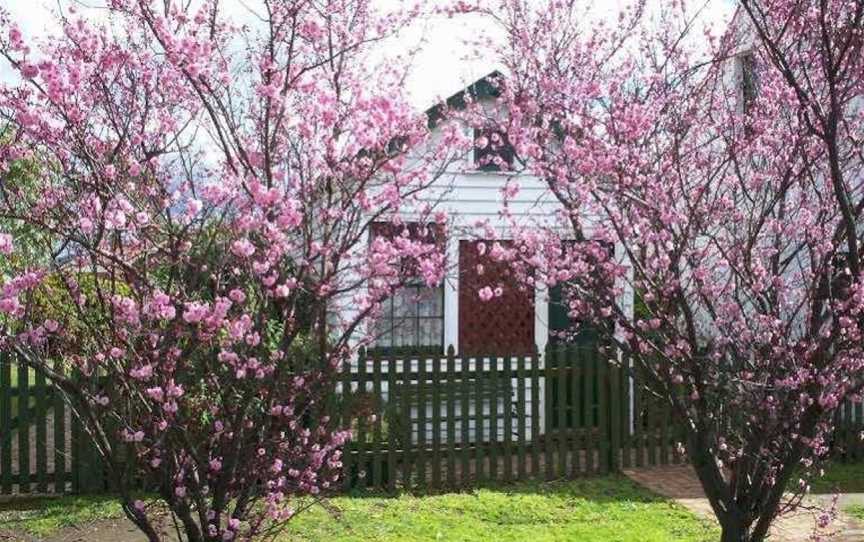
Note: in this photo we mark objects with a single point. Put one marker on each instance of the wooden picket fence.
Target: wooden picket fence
(847, 444)
(430, 422)
(419, 422)
(42, 446)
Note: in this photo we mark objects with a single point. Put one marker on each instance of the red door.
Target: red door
(505, 323)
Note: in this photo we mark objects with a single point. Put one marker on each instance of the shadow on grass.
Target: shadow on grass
(601, 489)
(839, 478)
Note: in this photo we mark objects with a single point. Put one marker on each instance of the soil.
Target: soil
(109, 530)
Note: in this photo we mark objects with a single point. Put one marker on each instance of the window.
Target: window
(749, 80)
(836, 281)
(413, 319)
(492, 150)
(413, 316)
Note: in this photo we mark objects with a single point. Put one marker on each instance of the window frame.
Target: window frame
(507, 153)
(416, 319)
(748, 83)
(411, 282)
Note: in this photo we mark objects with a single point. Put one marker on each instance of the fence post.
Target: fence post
(563, 364)
(603, 410)
(451, 419)
(520, 415)
(407, 422)
(362, 421)
(626, 418)
(494, 395)
(421, 422)
(59, 436)
(23, 427)
(547, 409)
(392, 426)
(638, 417)
(535, 414)
(508, 417)
(614, 415)
(5, 423)
(478, 418)
(576, 425)
(465, 413)
(41, 434)
(377, 402)
(346, 420)
(436, 421)
(588, 385)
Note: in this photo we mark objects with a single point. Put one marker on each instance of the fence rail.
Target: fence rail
(418, 422)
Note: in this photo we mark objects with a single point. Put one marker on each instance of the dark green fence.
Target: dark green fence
(42, 446)
(419, 422)
(454, 421)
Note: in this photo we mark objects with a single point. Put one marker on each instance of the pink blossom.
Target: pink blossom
(29, 71)
(237, 295)
(6, 246)
(157, 394)
(485, 293)
(243, 248)
(195, 312)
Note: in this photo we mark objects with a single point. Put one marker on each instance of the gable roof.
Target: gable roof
(481, 88)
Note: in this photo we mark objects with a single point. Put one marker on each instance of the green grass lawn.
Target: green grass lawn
(840, 478)
(592, 510)
(600, 509)
(856, 511)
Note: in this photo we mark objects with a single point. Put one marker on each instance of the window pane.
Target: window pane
(431, 332)
(431, 302)
(405, 303)
(404, 332)
(383, 336)
(414, 317)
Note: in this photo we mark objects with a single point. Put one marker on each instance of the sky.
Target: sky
(443, 67)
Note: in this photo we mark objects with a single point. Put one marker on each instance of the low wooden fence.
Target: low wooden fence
(42, 446)
(455, 421)
(418, 422)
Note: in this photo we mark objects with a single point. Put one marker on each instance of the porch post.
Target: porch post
(451, 295)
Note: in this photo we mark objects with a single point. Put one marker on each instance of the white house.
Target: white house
(516, 322)
(519, 322)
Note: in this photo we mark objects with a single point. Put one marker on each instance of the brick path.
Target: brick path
(679, 482)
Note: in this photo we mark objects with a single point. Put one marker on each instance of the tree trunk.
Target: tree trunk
(734, 530)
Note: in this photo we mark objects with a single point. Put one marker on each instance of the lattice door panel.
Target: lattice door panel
(505, 323)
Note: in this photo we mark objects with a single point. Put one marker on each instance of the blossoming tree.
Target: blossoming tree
(726, 171)
(199, 194)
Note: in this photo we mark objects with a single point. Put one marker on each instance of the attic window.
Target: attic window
(749, 80)
(492, 150)
(397, 145)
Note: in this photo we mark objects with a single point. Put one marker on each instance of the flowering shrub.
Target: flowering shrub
(725, 168)
(199, 196)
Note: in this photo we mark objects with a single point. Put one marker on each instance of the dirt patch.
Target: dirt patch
(109, 530)
(116, 530)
